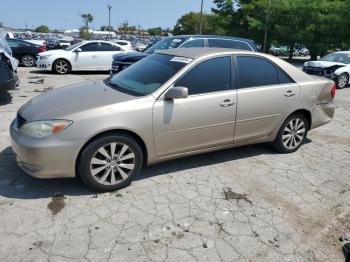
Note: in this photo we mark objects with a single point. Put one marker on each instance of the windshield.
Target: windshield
(166, 43)
(72, 47)
(337, 57)
(147, 75)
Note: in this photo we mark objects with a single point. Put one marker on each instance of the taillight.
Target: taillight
(333, 90)
(41, 49)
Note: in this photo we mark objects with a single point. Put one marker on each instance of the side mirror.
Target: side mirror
(176, 92)
(78, 50)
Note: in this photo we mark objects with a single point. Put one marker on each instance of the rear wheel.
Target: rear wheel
(292, 134)
(342, 80)
(28, 61)
(61, 66)
(110, 162)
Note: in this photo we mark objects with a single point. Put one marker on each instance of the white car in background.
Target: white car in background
(83, 56)
(335, 66)
(126, 44)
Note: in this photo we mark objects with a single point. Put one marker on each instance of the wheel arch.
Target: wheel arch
(110, 132)
(61, 58)
(304, 112)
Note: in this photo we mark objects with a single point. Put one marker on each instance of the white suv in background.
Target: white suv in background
(126, 44)
(87, 55)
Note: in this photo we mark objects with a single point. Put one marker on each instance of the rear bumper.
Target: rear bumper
(45, 158)
(118, 66)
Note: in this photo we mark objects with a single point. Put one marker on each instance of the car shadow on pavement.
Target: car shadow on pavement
(14, 183)
(205, 159)
(40, 72)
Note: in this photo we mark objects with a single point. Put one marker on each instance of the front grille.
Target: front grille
(20, 121)
(119, 66)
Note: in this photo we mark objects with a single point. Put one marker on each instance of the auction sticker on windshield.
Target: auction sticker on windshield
(184, 60)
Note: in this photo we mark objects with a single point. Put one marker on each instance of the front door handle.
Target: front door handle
(289, 93)
(227, 103)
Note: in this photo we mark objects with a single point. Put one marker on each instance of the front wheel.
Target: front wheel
(292, 134)
(342, 80)
(61, 66)
(109, 162)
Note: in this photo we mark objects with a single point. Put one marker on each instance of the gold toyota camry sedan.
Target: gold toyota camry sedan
(171, 104)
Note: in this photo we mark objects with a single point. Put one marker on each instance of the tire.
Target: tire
(292, 134)
(61, 67)
(28, 60)
(103, 171)
(342, 80)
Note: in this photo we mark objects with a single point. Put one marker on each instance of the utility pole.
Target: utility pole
(201, 19)
(109, 18)
(266, 25)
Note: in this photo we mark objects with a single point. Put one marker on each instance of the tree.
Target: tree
(87, 18)
(155, 31)
(42, 29)
(189, 24)
(85, 34)
(106, 28)
(1, 24)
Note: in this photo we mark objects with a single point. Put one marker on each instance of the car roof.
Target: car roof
(195, 53)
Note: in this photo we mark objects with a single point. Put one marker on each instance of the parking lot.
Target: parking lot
(244, 204)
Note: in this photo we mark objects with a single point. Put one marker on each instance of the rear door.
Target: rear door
(265, 94)
(105, 56)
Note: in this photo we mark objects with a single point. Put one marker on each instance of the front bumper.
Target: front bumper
(318, 71)
(49, 157)
(43, 64)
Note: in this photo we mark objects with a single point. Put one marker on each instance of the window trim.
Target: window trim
(232, 40)
(230, 89)
(237, 70)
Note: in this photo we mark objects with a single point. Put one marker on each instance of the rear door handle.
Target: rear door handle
(94, 56)
(289, 93)
(227, 103)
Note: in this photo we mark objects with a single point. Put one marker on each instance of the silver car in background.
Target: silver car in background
(171, 104)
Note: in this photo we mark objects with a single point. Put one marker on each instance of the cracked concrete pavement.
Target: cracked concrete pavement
(243, 204)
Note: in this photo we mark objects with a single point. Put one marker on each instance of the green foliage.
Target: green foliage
(317, 24)
(155, 31)
(87, 18)
(189, 24)
(85, 34)
(42, 29)
(106, 28)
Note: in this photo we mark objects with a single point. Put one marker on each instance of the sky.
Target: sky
(64, 14)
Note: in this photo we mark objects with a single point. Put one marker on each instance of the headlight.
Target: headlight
(40, 129)
(42, 57)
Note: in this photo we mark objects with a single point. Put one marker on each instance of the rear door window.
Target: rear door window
(255, 72)
(92, 47)
(227, 43)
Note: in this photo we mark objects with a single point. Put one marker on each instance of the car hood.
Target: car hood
(53, 52)
(323, 64)
(129, 57)
(65, 101)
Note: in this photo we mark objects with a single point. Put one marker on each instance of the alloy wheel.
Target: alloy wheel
(293, 133)
(62, 67)
(342, 81)
(112, 163)
(28, 61)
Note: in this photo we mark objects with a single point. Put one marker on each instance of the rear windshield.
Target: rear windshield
(337, 57)
(147, 75)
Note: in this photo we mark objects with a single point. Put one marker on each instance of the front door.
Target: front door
(206, 118)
